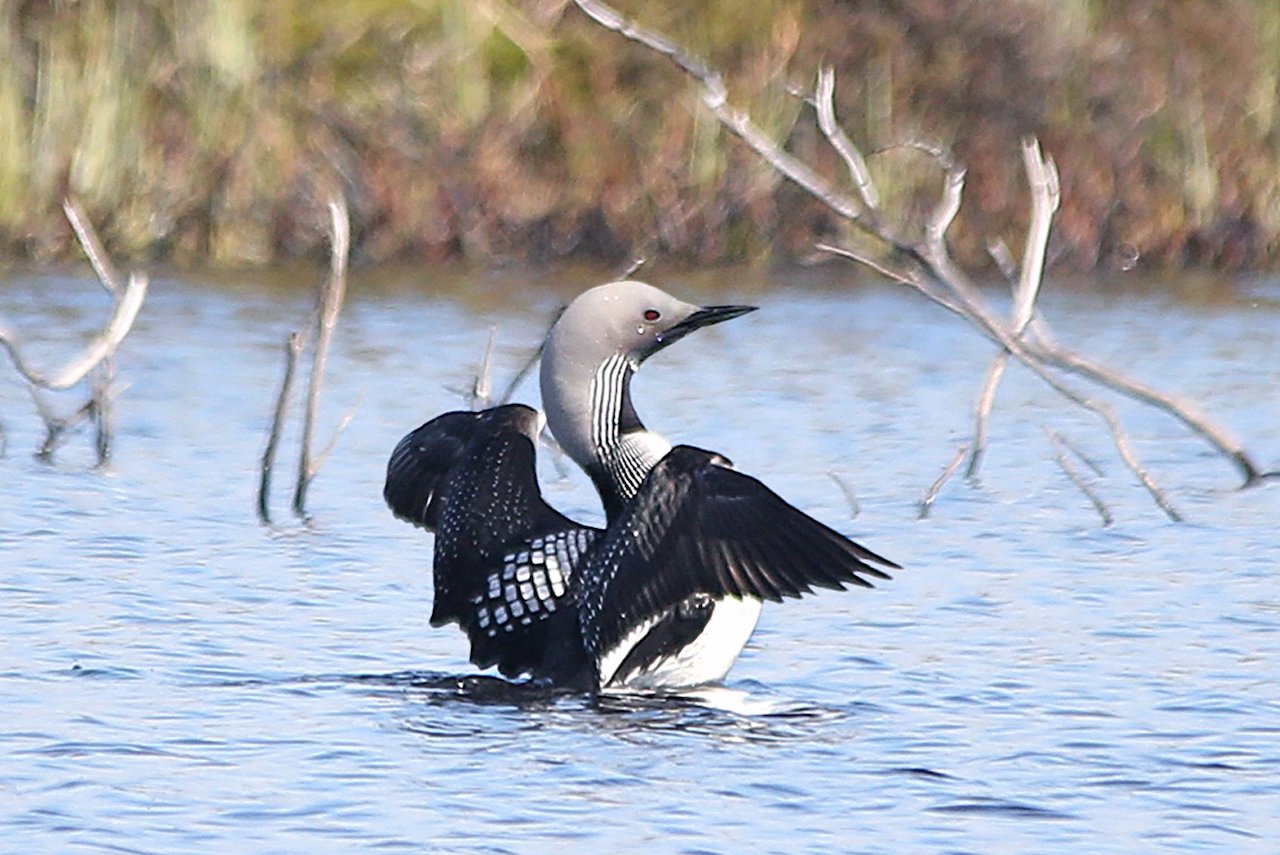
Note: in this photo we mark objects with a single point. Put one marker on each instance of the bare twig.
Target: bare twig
(327, 308)
(108, 276)
(55, 426)
(849, 496)
(931, 495)
(343, 422)
(103, 409)
(102, 345)
(96, 359)
(1042, 175)
(824, 102)
(1086, 459)
(1046, 195)
(483, 385)
(1182, 410)
(634, 265)
(530, 362)
(714, 96)
(1059, 454)
(999, 252)
(292, 348)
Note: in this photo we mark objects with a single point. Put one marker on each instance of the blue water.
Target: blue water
(175, 677)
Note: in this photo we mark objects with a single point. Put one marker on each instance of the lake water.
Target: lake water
(175, 677)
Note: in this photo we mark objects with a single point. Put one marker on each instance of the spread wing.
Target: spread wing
(420, 463)
(504, 558)
(697, 526)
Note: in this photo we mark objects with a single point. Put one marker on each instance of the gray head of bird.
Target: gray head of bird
(607, 332)
(629, 319)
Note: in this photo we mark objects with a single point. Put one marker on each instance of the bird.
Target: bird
(665, 595)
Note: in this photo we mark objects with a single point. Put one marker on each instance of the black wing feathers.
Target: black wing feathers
(698, 526)
(420, 463)
(504, 558)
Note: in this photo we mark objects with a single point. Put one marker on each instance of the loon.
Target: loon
(665, 596)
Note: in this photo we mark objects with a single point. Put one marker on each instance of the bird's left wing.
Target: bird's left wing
(504, 558)
(698, 526)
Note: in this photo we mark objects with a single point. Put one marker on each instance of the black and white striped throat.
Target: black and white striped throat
(625, 450)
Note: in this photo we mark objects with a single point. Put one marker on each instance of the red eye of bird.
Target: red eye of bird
(652, 314)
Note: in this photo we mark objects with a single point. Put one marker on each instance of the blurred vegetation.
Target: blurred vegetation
(210, 131)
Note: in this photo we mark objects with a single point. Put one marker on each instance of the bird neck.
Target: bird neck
(590, 413)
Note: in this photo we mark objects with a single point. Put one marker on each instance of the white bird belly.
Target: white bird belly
(706, 659)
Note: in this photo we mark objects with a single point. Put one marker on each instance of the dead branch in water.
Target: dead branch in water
(96, 359)
(1060, 448)
(931, 495)
(924, 262)
(292, 349)
(329, 302)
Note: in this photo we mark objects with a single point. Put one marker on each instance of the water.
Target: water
(176, 678)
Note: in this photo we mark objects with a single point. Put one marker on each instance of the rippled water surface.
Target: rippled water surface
(175, 677)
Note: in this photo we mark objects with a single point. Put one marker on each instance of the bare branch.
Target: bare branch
(292, 348)
(824, 101)
(931, 495)
(102, 345)
(849, 496)
(902, 277)
(92, 246)
(97, 357)
(1042, 175)
(1093, 464)
(55, 426)
(327, 309)
(1182, 410)
(634, 265)
(529, 363)
(986, 399)
(999, 252)
(715, 97)
(1059, 455)
(927, 266)
(483, 385)
(343, 422)
(103, 409)
(944, 212)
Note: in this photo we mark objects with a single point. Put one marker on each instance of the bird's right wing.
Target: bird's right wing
(504, 558)
(700, 527)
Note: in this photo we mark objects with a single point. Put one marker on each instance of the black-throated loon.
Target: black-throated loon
(667, 594)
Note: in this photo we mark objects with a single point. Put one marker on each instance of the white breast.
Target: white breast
(706, 659)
